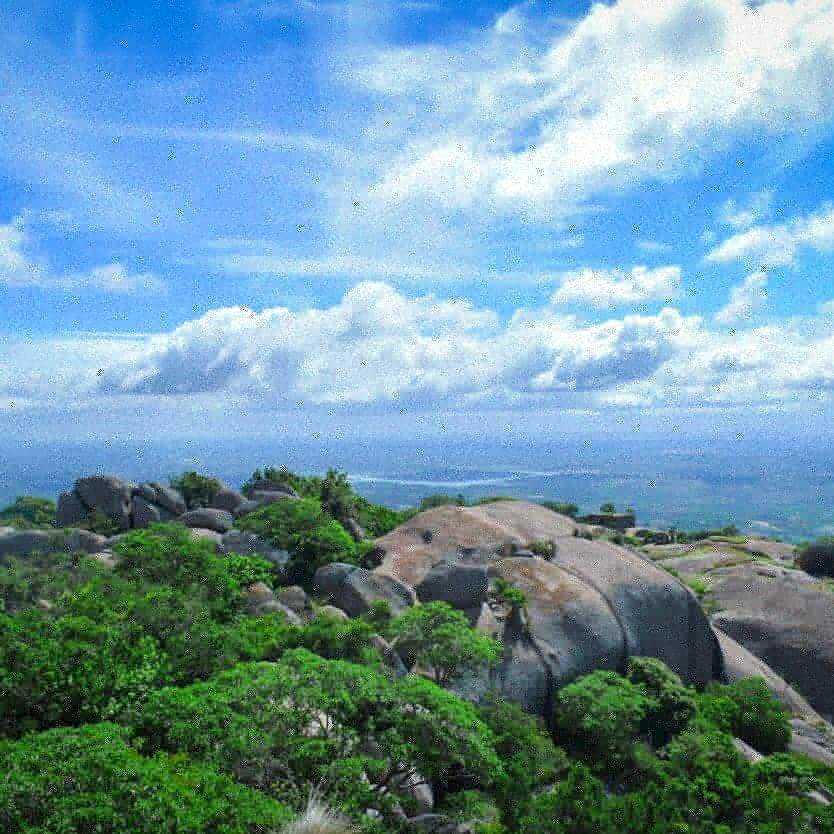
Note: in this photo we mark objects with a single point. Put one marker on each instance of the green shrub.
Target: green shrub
(598, 718)
(562, 507)
(197, 490)
(432, 501)
(311, 536)
(786, 772)
(92, 780)
(442, 642)
(674, 704)
(760, 719)
(97, 522)
(28, 512)
(817, 558)
(507, 595)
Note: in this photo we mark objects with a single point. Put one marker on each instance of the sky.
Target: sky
(217, 216)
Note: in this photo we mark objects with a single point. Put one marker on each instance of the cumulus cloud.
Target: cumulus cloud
(379, 346)
(603, 289)
(778, 245)
(743, 215)
(746, 299)
(19, 268)
(536, 118)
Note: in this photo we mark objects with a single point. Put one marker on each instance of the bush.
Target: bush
(818, 558)
(442, 642)
(432, 501)
(92, 780)
(759, 719)
(197, 490)
(167, 554)
(598, 718)
(311, 536)
(562, 507)
(674, 703)
(507, 595)
(28, 512)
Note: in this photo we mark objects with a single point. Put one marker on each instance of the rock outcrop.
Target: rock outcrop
(591, 606)
(784, 618)
(221, 521)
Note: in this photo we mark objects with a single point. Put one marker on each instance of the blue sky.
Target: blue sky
(240, 208)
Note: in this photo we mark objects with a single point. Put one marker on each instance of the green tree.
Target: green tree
(91, 779)
(608, 508)
(432, 501)
(442, 642)
(562, 507)
(197, 490)
(27, 512)
(674, 703)
(818, 558)
(598, 718)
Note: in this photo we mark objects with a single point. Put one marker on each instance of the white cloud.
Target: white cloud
(743, 216)
(603, 289)
(19, 268)
(746, 299)
(633, 91)
(826, 308)
(653, 246)
(778, 245)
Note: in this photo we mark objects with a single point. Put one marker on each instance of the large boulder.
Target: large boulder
(108, 495)
(221, 521)
(226, 498)
(25, 542)
(461, 585)
(592, 606)
(70, 510)
(145, 513)
(783, 619)
(166, 497)
(355, 589)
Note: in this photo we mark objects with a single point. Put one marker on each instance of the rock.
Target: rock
(354, 589)
(390, 657)
(265, 485)
(294, 598)
(750, 755)
(168, 498)
(433, 824)
(84, 541)
(355, 530)
(144, 512)
(786, 622)
(809, 748)
(226, 499)
(260, 600)
(462, 586)
(245, 508)
(106, 558)
(264, 497)
(592, 606)
(108, 495)
(70, 510)
(240, 541)
(330, 612)
(24, 542)
(740, 663)
(415, 788)
(220, 521)
(209, 535)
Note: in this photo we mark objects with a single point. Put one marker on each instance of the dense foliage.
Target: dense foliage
(817, 558)
(197, 490)
(28, 512)
(144, 698)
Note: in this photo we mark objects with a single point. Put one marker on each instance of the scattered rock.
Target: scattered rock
(294, 597)
(240, 541)
(354, 589)
(226, 499)
(263, 497)
(220, 521)
(260, 600)
(462, 586)
(25, 542)
(355, 530)
(330, 612)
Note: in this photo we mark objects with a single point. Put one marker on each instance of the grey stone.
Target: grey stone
(355, 589)
(355, 530)
(390, 658)
(70, 510)
(226, 499)
(264, 497)
(208, 535)
(265, 485)
(84, 541)
(25, 542)
(144, 512)
(109, 495)
(294, 597)
(168, 498)
(330, 612)
(261, 600)
(462, 586)
(240, 541)
(245, 508)
(220, 521)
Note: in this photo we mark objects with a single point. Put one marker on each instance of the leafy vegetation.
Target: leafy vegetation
(28, 512)
(197, 490)
(562, 507)
(817, 558)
